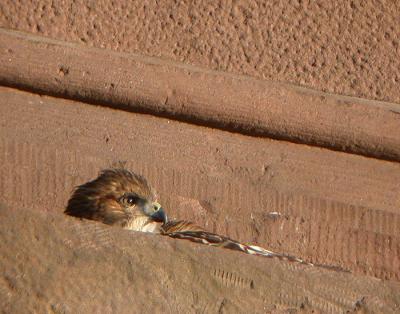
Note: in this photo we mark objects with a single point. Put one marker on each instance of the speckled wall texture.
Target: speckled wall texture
(344, 47)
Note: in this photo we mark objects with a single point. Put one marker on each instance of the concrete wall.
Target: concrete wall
(344, 47)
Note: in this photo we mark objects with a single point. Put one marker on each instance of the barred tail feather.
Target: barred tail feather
(189, 231)
(253, 249)
(212, 239)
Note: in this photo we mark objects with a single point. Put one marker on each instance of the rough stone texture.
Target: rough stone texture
(326, 207)
(53, 264)
(230, 102)
(346, 47)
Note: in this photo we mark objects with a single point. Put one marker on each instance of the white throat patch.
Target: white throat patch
(143, 224)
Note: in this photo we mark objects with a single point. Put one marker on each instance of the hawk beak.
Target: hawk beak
(159, 215)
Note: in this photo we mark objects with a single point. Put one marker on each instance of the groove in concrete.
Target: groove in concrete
(203, 97)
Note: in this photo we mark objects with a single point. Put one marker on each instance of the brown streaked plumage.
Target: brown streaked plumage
(122, 198)
(190, 231)
(118, 197)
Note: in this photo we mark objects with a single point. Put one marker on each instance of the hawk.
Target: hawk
(118, 197)
(122, 198)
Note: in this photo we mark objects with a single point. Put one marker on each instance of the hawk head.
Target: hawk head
(118, 197)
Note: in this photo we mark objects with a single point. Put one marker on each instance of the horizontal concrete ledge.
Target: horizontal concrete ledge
(215, 99)
(72, 266)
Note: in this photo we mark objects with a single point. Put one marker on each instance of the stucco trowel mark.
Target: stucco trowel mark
(230, 279)
(296, 297)
(324, 305)
(339, 250)
(332, 288)
(91, 236)
(358, 223)
(32, 157)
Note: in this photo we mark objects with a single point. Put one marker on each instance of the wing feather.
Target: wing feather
(189, 231)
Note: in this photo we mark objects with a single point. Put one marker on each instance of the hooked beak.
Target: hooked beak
(159, 215)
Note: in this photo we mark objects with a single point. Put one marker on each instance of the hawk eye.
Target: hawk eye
(132, 199)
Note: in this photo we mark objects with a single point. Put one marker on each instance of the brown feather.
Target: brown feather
(189, 231)
(99, 199)
(178, 226)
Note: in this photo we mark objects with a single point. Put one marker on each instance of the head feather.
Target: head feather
(99, 199)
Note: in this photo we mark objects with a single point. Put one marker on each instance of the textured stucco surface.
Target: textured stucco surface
(327, 207)
(67, 266)
(330, 208)
(213, 98)
(351, 47)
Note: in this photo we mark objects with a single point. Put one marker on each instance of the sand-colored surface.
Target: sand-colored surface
(58, 265)
(344, 47)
